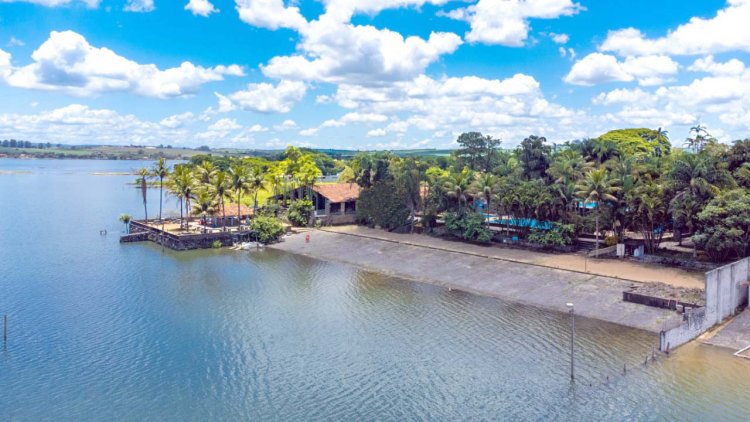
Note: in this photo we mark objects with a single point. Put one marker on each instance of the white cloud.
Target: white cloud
(286, 125)
(708, 65)
(265, 97)
(220, 129)
(270, 14)
(506, 22)
(139, 6)
(623, 96)
(343, 10)
(597, 68)
(727, 31)
(559, 38)
(15, 42)
(309, 131)
(82, 124)
(257, 128)
(337, 52)
(201, 7)
(67, 63)
(177, 120)
(375, 133)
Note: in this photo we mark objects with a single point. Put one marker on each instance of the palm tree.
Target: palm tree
(239, 182)
(256, 183)
(206, 171)
(486, 186)
(125, 218)
(408, 180)
(161, 170)
(700, 137)
(182, 184)
(205, 204)
(220, 188)
(457, 185)
(143, 175)
(597, 187)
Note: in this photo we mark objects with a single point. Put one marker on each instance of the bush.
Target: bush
(378, 206)
(468, 226)
(216, 244)
(300, 212)
(267, 229)
(611, 240)
(270, 210)
(559, 235)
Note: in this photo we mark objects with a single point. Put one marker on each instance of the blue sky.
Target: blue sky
(368, 73)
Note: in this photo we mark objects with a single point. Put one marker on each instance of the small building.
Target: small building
(335, 203)
(230, 210)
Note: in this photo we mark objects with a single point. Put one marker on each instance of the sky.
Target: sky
(369, 74)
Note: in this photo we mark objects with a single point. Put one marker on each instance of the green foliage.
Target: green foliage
(637, 141)
(476, 151)
(558, 235)
(534, 156)
(268, 229)
(468, 226)
(299, 212)
(725, 226)
(216, 244)
(378, 205)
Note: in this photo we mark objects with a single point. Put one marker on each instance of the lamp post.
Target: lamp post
(572, 339)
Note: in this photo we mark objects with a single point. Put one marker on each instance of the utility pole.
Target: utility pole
(572, 340)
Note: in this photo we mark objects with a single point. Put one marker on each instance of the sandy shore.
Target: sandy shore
(594, 296)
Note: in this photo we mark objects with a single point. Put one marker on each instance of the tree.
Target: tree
(206, 171)
(649, 212)
(181, 184)
(477, 151)
(408, 180)
(534, 157)
(695, 179)
(457, 185)
(698, 138)
(205, 204)
(725, 222)
(256, 183)
(161, 171)
(143, 175)
(221, 188)
(239, 182)
(597, 187)
(485, 186)
(125, 218)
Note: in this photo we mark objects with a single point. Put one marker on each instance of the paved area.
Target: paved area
(735, 335)
(623, 269)
(594, 296)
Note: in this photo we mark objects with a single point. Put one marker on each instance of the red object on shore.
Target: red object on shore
(307, 238)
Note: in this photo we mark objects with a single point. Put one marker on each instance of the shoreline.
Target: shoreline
(595, 296)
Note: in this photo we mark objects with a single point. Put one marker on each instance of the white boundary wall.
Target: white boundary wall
(726, 290)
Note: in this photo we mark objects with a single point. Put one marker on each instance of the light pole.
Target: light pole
(572, 339)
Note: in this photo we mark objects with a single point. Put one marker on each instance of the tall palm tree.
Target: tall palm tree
(700, 137)
(597, 187)
(143, 175)
(220, 188)
(205, 204)
(182, 184)
(239, 182)
(161, 170)
(408, 179)
(486, 187)
(256, 183)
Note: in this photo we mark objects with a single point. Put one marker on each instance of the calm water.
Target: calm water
(100, 330)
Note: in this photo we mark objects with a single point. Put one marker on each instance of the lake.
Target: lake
(100, 330)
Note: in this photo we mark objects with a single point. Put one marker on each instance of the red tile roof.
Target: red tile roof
(231, 210)
(338, 192)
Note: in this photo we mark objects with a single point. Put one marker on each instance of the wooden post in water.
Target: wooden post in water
(5, 329)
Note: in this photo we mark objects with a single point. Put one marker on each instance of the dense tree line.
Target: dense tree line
(624, 183)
